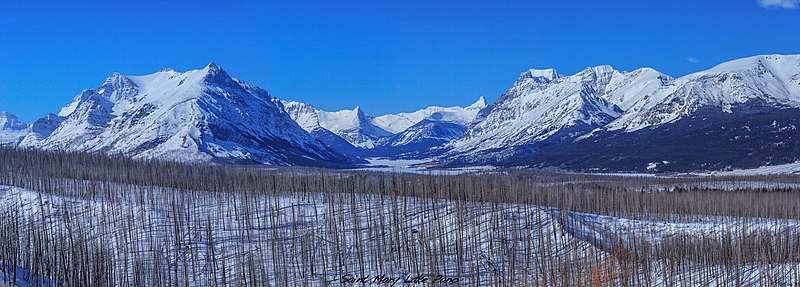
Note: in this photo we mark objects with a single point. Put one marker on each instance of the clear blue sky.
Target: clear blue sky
(386, 56)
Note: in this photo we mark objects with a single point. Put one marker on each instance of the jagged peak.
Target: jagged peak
(114, 88)
(479, 104)
(215, 74)
(549, 73)
(296, 103)
(10, 121)
(212, 67)
(601, 69)
(596, 75)
(360, 112)
(540, 75)
(117, 79)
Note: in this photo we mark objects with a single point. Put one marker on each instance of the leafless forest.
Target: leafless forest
(87, 220)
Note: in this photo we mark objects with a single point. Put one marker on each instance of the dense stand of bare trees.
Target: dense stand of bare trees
(90, 220)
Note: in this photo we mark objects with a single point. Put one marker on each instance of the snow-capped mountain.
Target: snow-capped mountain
(425, 131)
(422, 140)
(397, 123)
(196, 116)
(12, 130)
(545, 107)
(43, 127)
(354, 125)
(772, 78)
(739, 114)
(356, 133)
(11, 122)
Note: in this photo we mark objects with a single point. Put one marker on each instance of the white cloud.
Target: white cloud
(693, 60)
(786, 4)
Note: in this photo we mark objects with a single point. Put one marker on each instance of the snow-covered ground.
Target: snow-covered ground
(14, 275)
(202, 238)
(418, 166)
(402, 163)
(722, 185)
(317, 240)
(789, 168)
(601, 228)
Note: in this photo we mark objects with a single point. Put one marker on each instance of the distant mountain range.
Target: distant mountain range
(739, 114)
(405, 135)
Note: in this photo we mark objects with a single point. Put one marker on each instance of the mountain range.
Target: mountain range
(403, 135)
(739, 114)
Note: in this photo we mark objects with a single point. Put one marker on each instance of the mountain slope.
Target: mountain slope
(772, 78)
(12, 130)
(422, 140)
(356, 133)
(425, 131)
(544, 107)
(739, 114)
(197, 116)
(354, 125)
(397, 123)
(308, 118)
(750, 135)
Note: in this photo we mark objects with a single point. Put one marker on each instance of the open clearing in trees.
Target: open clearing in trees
(84, 220)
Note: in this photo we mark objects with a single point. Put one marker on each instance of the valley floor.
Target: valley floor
(148, 236)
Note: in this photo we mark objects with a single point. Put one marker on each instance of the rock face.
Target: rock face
(738, 114)
(196, 116)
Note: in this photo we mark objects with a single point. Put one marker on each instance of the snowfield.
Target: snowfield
(789, 168)
(200, 238)
(293, 236)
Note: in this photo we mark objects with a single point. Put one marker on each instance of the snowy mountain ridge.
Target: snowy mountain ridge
(11, 122)
(196, 116)
(747, 107)
(355, 126)
(397, 123)
(545, 117)
(773, 78)
(542, 103)
(12, 130)
(386, 135)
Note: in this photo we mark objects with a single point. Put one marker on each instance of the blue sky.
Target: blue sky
(386, 56)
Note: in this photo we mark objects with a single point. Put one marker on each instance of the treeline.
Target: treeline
(92, 220)
(773, 196)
